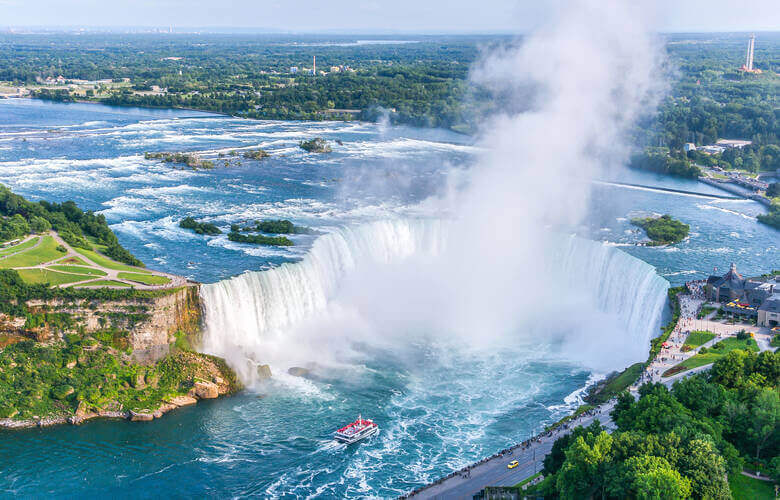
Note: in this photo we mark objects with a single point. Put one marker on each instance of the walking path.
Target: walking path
(109, 274)
(530, 454)
(493, 471)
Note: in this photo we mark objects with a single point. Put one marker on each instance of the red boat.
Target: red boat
(357, 430)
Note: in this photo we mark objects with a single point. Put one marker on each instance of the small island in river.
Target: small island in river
(662, 230)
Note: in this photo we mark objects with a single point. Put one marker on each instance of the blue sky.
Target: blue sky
(479, 16)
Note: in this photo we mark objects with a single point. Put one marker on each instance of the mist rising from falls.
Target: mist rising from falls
(373, 284)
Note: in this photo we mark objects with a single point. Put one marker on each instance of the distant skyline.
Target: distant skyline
(368, 16)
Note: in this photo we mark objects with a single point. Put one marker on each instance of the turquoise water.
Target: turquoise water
(440, 404)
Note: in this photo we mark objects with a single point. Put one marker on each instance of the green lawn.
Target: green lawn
(146, 279)
(527, 480)
(106, 283)
(45, 252)
(36, 276)
(23, 246)
(705, 311)
(72, 260)
(713, 353)
(747, 488)
(697, 338)
(104, 261)
(89, 271)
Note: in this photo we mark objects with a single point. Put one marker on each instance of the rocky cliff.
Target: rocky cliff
(146, 326)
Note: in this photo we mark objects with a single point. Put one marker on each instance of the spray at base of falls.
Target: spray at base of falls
(602, 306)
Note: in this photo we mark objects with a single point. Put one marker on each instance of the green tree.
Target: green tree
(763, 419)
(582, 473)
(653, 478)
(701, 463)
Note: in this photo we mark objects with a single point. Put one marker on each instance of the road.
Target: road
(494, 472)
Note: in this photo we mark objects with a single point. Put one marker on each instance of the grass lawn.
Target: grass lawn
(625, 379)
(16, 248)
(527, 480)
(72, 260)
(105, 283)
(146, 279)
(89, 271)
(45, 252)
(705, 311)
(712, 354)
(104, 261)
(747, 488)
(36, 276)
(697, 338)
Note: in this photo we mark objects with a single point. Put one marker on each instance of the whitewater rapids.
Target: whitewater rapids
(383, 282)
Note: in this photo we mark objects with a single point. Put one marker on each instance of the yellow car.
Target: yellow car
(512, 464)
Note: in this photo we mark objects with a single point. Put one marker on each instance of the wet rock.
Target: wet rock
(141, 416)
(298, 371)
(206, 390)
(183, 401)
(264, 372)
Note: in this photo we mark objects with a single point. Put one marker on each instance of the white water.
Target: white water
(371, 284)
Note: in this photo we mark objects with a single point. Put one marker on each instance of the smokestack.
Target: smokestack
(749, 57)
(314, 71)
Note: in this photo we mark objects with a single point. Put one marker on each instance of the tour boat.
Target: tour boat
(357, 430)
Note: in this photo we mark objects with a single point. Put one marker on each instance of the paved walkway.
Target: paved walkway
(494, 472)
(110, 274)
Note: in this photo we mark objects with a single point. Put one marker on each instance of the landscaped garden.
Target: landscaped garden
(706, 356)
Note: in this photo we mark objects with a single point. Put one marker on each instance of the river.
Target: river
(441, 401)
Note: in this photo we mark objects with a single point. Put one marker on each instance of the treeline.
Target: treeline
(72, 224)
(676, 444)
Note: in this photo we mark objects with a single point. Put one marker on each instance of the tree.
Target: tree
(763, 419)
(582, 473)
(701, 463)
(729, 370)
(654, 478)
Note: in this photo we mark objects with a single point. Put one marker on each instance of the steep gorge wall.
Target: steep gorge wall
(148, 325)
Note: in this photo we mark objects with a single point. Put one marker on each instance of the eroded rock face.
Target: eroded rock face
(264, 372)
(298, 371)
(150, 322)
(206, 390)
(183, 401)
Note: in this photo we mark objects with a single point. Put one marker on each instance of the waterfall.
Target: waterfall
(249, 318)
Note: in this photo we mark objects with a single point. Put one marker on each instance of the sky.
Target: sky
(379, 16)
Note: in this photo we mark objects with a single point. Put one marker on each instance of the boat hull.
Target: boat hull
(357, 437)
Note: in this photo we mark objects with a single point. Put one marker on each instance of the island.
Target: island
(86, 330)
(256, 154)
(662, 230)
(199, 227)
(191, 160)
(316, 145)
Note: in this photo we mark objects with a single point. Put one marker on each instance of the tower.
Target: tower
(749, 57)
(314, 71)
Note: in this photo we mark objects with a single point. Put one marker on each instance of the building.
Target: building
(732, 287)
(733, 143)
(711, 150)
(689, 146)
(769, 312)
(293, 69)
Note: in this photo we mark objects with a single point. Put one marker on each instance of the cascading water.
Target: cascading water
(599, 297)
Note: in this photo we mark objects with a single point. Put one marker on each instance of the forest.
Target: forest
(692, 441)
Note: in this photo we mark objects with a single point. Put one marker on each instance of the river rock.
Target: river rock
(206, 390)
(264, 372)
(298, 371)
(183, 401)
(141, 416)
